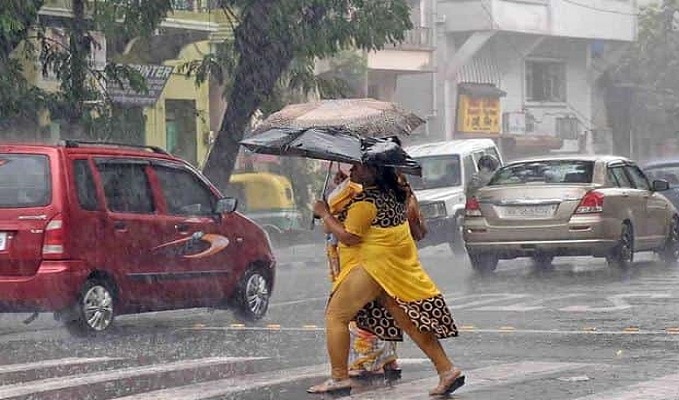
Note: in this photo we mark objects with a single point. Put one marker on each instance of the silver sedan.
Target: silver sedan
(570, 206)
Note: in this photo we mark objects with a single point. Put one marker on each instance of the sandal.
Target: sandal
(449, 382)
(331, 386)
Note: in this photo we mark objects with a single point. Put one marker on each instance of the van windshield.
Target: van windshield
(24, 181)
(437, 172)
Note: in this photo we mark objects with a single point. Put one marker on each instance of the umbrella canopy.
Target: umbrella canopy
(364, 117)
(332, 145)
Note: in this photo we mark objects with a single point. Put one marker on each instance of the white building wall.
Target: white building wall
(578, 101)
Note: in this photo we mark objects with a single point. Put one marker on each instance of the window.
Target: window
(621, 178)
(638, 177)
(24, 181)
(469, 168)
(184, 193)
(84, 184)
(546, 81)
(437, 172)
(126, 187)
(548, 172)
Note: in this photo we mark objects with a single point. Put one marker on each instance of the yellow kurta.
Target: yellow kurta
(388, 254)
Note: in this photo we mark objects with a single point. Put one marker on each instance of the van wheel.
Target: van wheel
(483, 263)
(94, 312)
(670, 251)
(252, 296)
(622, 254)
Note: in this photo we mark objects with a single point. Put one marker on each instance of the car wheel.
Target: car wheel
(622, 254)
(670, 251)
(483, 263)
(457, 244)
(543, 261)
(95, 309)
(252, 296)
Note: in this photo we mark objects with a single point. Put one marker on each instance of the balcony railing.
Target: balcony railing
(177, 5)
(195, 5)
(417, 38)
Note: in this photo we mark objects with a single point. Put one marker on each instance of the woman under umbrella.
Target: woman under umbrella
(381, 283)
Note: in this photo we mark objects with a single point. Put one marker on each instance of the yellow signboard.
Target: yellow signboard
(478, 114)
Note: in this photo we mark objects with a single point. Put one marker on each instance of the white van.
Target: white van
(447, 167)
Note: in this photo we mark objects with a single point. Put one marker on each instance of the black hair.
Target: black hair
(387, 180)
(488, 161)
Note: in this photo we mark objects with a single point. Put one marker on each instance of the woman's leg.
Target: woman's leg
(427, 341)
(357, 290)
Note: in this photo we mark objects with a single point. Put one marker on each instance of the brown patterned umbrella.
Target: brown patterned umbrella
(365, 117)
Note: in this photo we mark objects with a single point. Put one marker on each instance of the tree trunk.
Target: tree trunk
(262, 61)
(79, 47)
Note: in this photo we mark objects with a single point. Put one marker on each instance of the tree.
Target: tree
(81, 100)
(19, 98)
(270, 34)
(644, 84)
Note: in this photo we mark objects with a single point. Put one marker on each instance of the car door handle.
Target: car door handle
(182, 228)
(120, 226)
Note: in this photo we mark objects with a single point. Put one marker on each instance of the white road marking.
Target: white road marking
(532, 305)
(664, 388)
(223, 387)
(618, 302)
(454, 302)
(9, 368)
(476, 379)
(46, 385)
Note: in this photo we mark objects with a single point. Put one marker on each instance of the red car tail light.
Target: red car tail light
(53, 246)
(591, 203)
(472, 208)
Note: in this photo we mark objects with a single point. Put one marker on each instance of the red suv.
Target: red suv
(94, 230)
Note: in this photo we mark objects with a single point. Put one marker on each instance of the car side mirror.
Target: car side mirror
(660, 185)
(226, 205)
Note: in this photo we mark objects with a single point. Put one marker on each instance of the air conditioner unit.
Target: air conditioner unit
(514, 123)
(568, 128)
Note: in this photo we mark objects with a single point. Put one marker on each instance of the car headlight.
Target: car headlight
(434, 209)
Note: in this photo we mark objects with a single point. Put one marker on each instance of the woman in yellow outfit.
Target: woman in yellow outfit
(368, 354)
(381, 283)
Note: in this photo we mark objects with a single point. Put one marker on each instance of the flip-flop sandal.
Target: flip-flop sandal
(451, 386)
(331, 386)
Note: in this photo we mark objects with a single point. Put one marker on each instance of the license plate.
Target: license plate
(542, 211)
(3, 241)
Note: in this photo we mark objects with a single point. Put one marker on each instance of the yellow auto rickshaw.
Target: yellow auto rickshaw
(267, 199)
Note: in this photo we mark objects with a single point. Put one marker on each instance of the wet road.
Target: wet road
(578, 331)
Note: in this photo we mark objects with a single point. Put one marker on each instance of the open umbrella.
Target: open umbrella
(332, 145)
(364, 117)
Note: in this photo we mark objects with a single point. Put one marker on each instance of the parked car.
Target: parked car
(90, 231)
(447, 168)
(578, 206)
(667, 170)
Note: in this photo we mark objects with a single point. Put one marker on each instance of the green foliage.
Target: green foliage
(18, 99)
(651, 66)
(82, 98)
(274, 38)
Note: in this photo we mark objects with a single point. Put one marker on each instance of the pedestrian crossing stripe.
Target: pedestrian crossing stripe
(62, 362)
(484, 378)
(51, 384)
(664, 388)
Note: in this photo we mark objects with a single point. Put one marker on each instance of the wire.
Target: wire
(579, 114)
(601, 9)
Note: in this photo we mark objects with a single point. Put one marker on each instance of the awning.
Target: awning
(480, 90)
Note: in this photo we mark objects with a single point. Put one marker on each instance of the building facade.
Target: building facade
(544, 60)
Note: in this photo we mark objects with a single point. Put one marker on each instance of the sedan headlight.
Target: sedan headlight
(434, 209)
